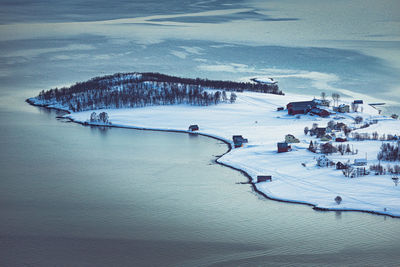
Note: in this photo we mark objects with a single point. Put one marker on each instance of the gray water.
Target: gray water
(77, 196)
(72, 195)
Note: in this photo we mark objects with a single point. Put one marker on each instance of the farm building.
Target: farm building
(320, 112)
(342, 108)
(341, 166)
(328, 148)
(322, 102)
(238, 140)
(326, 137)
(264, 178)
(193, 128)
(360, 162)
(289, 138)
(339, 126)
(319, 131)
(300, 107)
(283, 147)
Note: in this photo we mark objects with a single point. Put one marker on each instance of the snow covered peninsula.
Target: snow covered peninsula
(332, 153)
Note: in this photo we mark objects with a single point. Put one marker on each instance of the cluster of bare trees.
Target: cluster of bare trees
(378, 169)
(374, 136)
(329, 148)
(389, 152)
(335, 98)
(102, 118)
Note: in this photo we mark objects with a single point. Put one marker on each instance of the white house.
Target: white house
(323, 161)
(360, 162)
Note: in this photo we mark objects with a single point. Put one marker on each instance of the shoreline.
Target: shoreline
(229, 144)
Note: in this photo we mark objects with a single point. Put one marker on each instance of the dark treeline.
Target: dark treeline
(145, 89)
(225, 85)
(389, 152)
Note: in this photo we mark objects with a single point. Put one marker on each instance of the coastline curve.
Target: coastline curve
(229, 144)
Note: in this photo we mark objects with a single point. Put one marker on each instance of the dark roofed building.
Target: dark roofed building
(301, 107)
(322, 102)
(193, 128)
(238, 140)
(320, 132)
(341, 166)
(320, 112)
(283, 147)
(264, 178)
(358, 102)
(342, 108)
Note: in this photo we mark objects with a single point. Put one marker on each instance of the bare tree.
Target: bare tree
(395, 180)
(354, 107)
(335, 98)
(224, 97)
(358, 119)
(233, 97)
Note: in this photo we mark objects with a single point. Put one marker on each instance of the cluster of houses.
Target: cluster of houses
(343, 108)
(193, 128)
(284, 146)
(309, 107)
(316, 107)
(336, 132)
(238, 140)
(349, 170)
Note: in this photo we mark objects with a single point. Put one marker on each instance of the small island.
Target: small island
(332, 154)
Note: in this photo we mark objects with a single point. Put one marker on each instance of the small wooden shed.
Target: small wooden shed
(193, 127)
(238, 140)
(283, 147)
(264, 178)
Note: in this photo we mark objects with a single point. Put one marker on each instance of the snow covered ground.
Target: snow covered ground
(295, 175)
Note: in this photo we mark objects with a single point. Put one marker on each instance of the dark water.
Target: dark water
(77, 196)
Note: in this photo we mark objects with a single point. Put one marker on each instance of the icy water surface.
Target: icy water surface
(78, 196)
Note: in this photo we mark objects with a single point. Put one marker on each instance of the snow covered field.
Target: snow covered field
(295, 175)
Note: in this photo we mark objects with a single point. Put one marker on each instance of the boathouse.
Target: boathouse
(238, 140)
(193, 127)
(264, 178)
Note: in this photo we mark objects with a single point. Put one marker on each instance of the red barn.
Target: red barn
(320, 112)
(283, 147)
